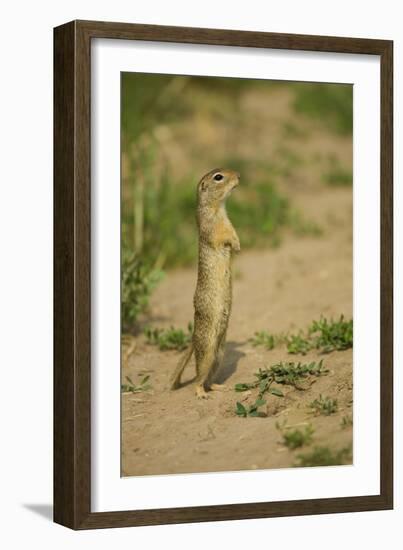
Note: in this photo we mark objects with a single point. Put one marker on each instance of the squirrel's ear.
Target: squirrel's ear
(203, 185)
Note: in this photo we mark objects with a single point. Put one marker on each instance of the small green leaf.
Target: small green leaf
(241, 387)
(240, 409)
(263, 386)
(276, 392)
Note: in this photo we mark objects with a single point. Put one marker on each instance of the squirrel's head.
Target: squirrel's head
(215, 186)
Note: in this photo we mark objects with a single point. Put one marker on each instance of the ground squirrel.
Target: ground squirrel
(213, 296)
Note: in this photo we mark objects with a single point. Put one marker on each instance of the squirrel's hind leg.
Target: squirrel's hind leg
(214, 386)
(205, 353)
(176, 378)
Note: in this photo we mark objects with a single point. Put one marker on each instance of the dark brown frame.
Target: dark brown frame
(72, 292)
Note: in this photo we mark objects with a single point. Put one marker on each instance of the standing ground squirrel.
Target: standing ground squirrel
(213, 296)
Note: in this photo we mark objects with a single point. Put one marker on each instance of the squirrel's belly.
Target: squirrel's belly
(213, 294)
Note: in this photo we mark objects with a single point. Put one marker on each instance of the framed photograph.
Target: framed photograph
(223, 311)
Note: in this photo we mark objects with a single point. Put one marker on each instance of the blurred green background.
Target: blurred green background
(285, 138)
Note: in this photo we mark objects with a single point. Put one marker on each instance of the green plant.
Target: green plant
(158, 213)
(252, 410)
(291, 374)
(287, 373)
(330, 104)
(149, 100)
(288, 161)
(269, 341)
(296, 343)
(346, 422)
(292, 131)
(168, 339)
(136, 388)
(295, 438)
(138, 281)
(332, 335)
(259, 212)
(324, 405)
(302, 226)
(324, 335)
(323, 456)
(338, 177)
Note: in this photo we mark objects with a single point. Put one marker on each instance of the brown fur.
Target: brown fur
(213, 296)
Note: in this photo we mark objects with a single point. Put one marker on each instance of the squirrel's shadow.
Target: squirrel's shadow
(230, 362)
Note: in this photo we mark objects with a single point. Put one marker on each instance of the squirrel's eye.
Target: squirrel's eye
(218, 177)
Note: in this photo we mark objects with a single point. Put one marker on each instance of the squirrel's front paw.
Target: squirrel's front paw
(236, 245)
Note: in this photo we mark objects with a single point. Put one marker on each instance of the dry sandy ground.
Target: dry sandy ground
(276, 290)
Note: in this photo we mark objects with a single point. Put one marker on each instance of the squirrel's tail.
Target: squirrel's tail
(175, 380)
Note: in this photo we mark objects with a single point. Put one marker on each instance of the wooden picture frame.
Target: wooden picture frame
(72, 270)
